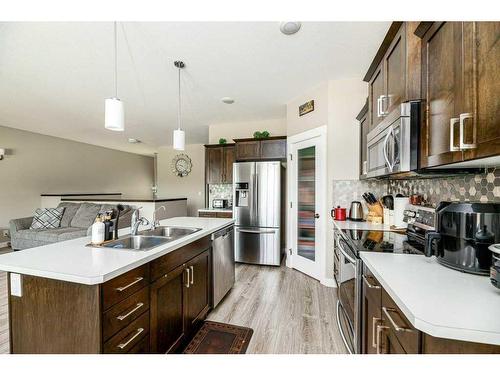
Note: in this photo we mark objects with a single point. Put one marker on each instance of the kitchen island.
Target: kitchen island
(70, 298)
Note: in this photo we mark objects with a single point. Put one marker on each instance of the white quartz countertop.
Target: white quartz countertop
(437, 300)
(215, 210)
(73, 261)
(361, 225)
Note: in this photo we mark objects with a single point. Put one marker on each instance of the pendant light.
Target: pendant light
(113, 107)
(179, 135)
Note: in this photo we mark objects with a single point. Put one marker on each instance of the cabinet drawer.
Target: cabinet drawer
(123, 313)
(407, 335)
(121, 287)
(167, 263)
(128, 337)
(224, 215)
(142, 347)
(372, 288)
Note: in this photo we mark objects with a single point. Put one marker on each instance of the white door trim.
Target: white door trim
(319, 134)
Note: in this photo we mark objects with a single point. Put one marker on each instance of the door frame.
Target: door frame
(321, 187)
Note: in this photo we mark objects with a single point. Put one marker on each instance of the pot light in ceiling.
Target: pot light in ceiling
(289, 28)
(227, 100)
(179, 135)
(133, 140)
(114, 118)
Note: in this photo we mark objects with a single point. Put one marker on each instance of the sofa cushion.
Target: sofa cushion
(85, 215)
(69, 212)
(50, 235)
(47, 218)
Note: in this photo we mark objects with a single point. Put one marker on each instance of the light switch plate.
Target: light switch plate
(16, 285)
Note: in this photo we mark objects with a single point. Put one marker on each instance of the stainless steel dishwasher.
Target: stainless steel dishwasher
(223, 262)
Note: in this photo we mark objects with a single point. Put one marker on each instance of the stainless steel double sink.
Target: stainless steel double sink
(149, 239)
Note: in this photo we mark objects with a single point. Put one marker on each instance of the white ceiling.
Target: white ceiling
(55, 76)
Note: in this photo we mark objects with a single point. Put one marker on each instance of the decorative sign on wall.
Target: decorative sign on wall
(306, 108)
(181, 165)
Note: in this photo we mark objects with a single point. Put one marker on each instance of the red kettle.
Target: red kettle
(339, 213)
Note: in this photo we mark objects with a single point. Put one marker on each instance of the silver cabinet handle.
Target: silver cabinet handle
(125, 344)
(379, 107)
(365, 167)
(463, 145)
(453, 122)
(382, 102)
(387, 311)
(255, 231)
(192, 274)
(187, 283)
(368, 284)
(375, 321)
(122, 288)
(380, 329)
(137, 307)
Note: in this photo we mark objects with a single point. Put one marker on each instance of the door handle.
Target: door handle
(379, 108)
(187, 283)
(255, 231)
(137, 307)
(386, 152)
(382, 102)
(387, 311)
(453, 122)
(316, 216)
(375, 321)
(380, 329)
(125, 344)
(368, 284)
(192, 274)
(122, 288)
(463, 145)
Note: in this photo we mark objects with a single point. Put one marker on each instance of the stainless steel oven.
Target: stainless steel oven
(348, 277)
(393, 146)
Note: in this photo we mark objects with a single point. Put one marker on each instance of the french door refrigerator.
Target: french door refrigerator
(257, 212)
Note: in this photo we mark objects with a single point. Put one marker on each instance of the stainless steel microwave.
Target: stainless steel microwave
(393, 146)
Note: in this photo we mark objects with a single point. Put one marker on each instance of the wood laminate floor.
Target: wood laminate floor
(289, 312)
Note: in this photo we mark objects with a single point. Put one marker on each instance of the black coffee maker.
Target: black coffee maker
(464, 231)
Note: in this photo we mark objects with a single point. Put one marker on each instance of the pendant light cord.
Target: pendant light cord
(116, 62)
(179, 101)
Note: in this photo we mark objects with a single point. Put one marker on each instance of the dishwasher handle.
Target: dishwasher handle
(224, 232)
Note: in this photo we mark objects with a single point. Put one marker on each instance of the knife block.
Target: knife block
(375, 213)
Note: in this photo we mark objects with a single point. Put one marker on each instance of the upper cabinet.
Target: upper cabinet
(219, 161)
(364, 128)
(460, 70)
(394, 75)
(271, 148)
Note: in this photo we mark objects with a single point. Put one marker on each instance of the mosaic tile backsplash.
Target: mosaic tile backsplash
(483, 187)
(220, 191)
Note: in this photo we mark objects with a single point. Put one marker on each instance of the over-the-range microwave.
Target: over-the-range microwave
(393, 146)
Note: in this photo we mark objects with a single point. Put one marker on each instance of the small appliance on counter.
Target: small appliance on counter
(339, 213)
(220, 203)
(464, 233)
(495, 267)
(356, 211)
(375, 209)
(400, 204)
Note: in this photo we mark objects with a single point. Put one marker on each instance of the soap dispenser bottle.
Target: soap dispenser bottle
(98, 231)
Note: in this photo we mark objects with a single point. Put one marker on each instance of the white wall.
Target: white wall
(235, 130)
(38, 164)
(192, 186)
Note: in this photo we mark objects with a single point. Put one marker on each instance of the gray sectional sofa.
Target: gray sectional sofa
(76, 222)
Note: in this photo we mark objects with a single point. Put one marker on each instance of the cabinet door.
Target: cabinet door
(198, 292)
(376, 91)
(167, 311)
(442, 88)
(372, 305)
(214, 165)
(364, 129)
(273, 149)
(229, 155)
(387, 343)
(248, 150)
(395, 72)
(481, 58)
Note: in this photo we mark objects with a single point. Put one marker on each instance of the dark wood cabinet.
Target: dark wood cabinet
(271, 148)
(219, 160)
(198, 291)
(459, 70)
(364, 128)
(372, 307)
(219, 214)
(395, 72)
(168, 306)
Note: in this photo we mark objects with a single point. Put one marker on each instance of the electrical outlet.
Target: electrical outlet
(5, 233)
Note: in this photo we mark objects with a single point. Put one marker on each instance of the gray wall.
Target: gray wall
(37, 164)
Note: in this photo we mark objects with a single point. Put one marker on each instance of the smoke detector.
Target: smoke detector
(289, 28)
(227, 100)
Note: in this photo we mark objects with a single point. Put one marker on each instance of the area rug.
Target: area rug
(220, 338)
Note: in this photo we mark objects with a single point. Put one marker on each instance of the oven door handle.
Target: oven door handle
(347, 256)
(340, 328)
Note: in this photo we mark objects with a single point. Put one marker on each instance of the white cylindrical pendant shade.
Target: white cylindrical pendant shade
(179, 140)
(114, 118)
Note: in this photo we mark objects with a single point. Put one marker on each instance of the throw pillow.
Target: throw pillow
(47, 218)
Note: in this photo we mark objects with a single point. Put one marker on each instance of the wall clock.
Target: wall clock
(181, 165)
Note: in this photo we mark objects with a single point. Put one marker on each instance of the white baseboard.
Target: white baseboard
(329, 282)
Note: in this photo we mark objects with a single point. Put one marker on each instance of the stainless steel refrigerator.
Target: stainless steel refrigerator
(257, 212)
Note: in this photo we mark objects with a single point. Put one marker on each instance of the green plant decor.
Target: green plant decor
(260, 135)
(222, 141)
